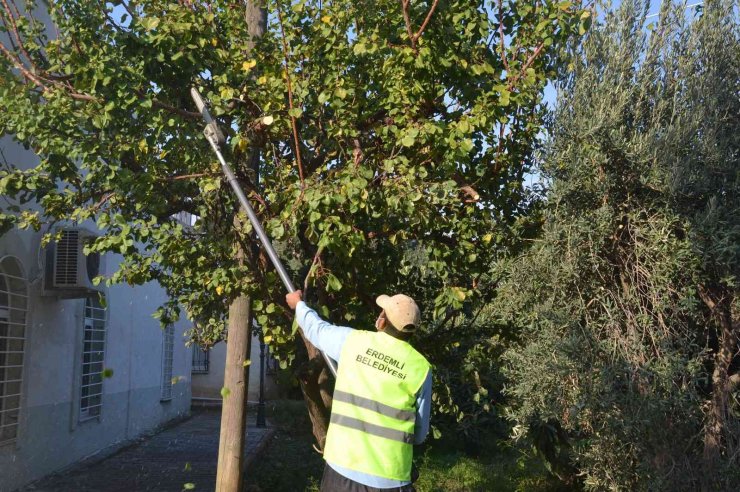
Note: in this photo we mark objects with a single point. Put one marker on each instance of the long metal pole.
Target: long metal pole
(216, 138)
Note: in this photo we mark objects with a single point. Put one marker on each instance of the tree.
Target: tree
(384, 127)
(627, 305)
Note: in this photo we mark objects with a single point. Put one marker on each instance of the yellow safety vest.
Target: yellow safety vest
(374, 409)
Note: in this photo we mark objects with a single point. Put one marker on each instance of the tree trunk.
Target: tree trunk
(236, 385)
(715, 431)
(316, 382)
(229, 475)
(316, 385)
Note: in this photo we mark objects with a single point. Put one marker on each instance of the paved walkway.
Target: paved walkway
(183, 454)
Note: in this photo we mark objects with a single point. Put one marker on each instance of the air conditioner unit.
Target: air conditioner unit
(69, 273)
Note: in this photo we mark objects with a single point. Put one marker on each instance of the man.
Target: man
(382, 397)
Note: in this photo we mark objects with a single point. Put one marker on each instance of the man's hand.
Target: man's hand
(294, 298)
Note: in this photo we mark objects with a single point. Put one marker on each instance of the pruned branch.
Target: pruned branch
(466, 188)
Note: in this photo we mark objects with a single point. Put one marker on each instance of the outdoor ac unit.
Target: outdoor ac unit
(69, 273)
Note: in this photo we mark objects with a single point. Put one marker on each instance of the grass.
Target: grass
(507, 470)
(290, 464)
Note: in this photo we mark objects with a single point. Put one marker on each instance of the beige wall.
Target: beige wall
(209, 385)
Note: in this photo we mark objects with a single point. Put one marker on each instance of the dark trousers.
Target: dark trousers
(334, 482)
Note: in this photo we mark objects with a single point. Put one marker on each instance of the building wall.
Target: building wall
(209, 385)
(50, 433)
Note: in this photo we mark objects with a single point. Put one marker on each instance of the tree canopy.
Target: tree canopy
(382, 142)
(626, 309)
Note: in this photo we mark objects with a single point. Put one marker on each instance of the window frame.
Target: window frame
(167, 366)
(16, 301)
(203, 357)
(83, 412)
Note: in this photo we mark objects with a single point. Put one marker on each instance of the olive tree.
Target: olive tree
(626, 370)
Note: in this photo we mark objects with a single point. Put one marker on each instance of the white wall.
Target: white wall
(50, 434)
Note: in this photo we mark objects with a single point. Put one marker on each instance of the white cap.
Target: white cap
(401, 311)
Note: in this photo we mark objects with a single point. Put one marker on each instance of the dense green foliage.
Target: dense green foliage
(626, 308)
(382, 130)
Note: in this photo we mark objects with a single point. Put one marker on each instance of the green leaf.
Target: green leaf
(333, 283)
(504, 97)
(436, 433)
(149, 23)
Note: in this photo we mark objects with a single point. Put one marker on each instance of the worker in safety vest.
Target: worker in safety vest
(382, 396)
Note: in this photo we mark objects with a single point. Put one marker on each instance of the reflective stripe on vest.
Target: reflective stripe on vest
(374, 407)
(373, 429)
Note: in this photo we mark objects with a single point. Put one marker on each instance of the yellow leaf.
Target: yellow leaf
(219, 290)
(143, 146)
(268, 338)
(214, 41)
(487, 238)
(249, 65)
(247, 362)
(262, 80)
(267, 120)
(326, 19)
(458, 293)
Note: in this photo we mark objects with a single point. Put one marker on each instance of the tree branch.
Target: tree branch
(168, 107)
(14, 29)
(407, 19)
(426, 21)
(527, 64)
(290, 100)
(501, 34)
(17, 63)
(189, 176)
(466, 188)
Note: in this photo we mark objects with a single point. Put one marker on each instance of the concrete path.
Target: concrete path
(181, 457)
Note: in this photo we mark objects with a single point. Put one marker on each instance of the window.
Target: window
(200, 360)
(93, 357)
(13, 305)
(168, 345)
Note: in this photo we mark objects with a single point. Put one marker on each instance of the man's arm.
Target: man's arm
(423, 410)
(323, 335)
